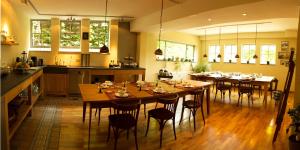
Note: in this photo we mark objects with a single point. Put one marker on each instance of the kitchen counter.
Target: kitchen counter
(13, 79)
(103, 68)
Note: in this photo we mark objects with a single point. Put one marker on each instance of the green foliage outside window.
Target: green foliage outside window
(98, 31)
(70, 34)
(40, 33)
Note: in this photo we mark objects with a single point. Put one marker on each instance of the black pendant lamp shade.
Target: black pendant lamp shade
(104, 49)
(255, 56)
(237, 56)
(219, 56)
(204, 55)
(159, 51)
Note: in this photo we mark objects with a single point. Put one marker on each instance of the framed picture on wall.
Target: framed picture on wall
(283, 55)
(284, 45)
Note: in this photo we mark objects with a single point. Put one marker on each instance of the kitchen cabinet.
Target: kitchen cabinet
(56, 84)
(56, 80)
(76, 77)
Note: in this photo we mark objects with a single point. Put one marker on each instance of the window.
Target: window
(229, 53)
(268, 54)
(173, 51)
(213, 52)
(40, 35)
(70, 36)
(98, 31)
(247, 53)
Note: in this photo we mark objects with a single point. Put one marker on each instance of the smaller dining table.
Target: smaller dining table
(92, 95)
(264, 81)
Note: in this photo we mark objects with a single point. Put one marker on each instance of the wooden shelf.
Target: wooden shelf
(22, 114)
(9, 43)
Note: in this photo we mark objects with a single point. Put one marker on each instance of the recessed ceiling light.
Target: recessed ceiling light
(209, 19)
(244, 14)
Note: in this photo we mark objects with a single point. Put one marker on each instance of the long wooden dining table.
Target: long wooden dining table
(264, 81)
(91, 95)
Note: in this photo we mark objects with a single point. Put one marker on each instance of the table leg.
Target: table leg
(90, 122)
(265, 93)
(208, 100)
(83, 111)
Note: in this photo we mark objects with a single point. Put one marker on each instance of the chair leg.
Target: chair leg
(238, 103)
(108, 136)
(161, 132)
(135, 138)
(216, 95)
(99, 112)
(203, 117)
(229, 96)
(182, 111)
(145, 110)
(148, 122)
(174, 127)
(248, 100)
(223, 97)
(190, 115)
(96, 111)
(116, 131)
(194, 117)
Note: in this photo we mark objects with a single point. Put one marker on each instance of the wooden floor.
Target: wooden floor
(227, 127)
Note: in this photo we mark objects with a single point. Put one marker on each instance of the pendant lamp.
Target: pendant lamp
(205, 55)
(237, 41)
(104, 49)
(255, 56)
(159, 51)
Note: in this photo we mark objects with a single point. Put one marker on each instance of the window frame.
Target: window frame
(251, 57)
(218, 60)
(163, 48)
(268, 56)
(69, 49)
(232, 55)
(97, 49)
(39, 48)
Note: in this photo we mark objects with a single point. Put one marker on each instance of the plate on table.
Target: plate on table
(121, 95)
(159, 91)
(188, 86)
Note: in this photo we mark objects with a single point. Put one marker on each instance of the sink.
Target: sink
(56, 69)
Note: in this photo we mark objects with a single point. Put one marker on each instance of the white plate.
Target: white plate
(124, 95)
(163, 91)
(105, 87)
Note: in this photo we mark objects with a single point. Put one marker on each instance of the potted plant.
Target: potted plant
(294, 138)
(200, 67)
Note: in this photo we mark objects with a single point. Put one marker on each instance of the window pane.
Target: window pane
(98, 31)
(229, 53)
(268, 53)
(70, 34)
(190, 49)
(247, 53)
(40, 34)
(213, 52)
(173, 51)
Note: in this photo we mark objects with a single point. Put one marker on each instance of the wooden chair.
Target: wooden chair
(222, 85)
(273, 86)
(162, 115)
(245, 87)
(193, 105)
(125, 117)
(99, 108)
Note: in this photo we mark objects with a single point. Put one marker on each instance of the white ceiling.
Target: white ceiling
(189, 16)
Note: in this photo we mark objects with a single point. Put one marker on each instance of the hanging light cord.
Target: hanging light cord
(105, 21)
(160, 22)
(205, 39)
(255, 34)
(237, 35)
